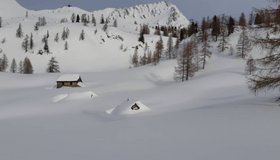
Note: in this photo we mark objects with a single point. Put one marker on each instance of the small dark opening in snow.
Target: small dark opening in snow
(135, 107)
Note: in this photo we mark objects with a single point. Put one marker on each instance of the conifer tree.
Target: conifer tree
(67, 31)
(141, 37)
(93, 20)
(149, 57)
(223, 44)
(20, 67)
(157, 31)
(73, 17)
(0, 22)
(102, 21)
(204, 26)
(25, 43)
(78, 18)
(56, 38)
(250, 66)
(46, 46)
(27, 66)
(48, 34)
(169, 51)
(216, 29)
(105, 27)
(230, 26)
(267, 75)
(115, 23)
(13, 68)
(206, 53)
(185, 67)
(19, 32)
(158, 51)
(135, 58)
(244, 45)
(31, 42)
(143, 60)
(4, 63)
(53, 66)
(66, 45)
(36, 26)
(242, 20)
(82, 35)
(64, 34)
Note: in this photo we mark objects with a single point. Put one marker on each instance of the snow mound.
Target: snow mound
(129, 107)
(82, 96)
(74, 96)
(59, 98)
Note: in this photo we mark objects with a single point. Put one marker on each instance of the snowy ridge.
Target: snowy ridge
(161, 13)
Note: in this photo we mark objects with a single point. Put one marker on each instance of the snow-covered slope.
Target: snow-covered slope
(98, 49)
(10, 8)
(213, 116)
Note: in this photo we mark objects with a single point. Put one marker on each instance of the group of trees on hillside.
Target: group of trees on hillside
(25, 66)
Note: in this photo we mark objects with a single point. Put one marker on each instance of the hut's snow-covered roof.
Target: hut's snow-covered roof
(68, 78)
(125, 108)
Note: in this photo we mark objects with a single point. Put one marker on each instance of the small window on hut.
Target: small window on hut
(135, 107)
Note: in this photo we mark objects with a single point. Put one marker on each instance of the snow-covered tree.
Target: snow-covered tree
(27, 66)
(25, 43)
(185, 66)
(67, 31)
(158, 51)
(143, 60)
(244, 45)
(36, 26)
(149, 57)
(66, 45)
(242, 20)
(205, 50)
(31, 42)
(170, 48)
(105, 27)
(78, 18)
(13, 67)
(20, 67)
(73, 17)
(93, 20)
(82, 35)
(141, 37)
(56, 38)
(4, 63)
(102, 21)
(115, 23)
(250, 66)
(46, 46)
(267, 75)
(0, 22)
(223, 41)
(19, 32)
(135, 58)
(53, 66)
(216, 27)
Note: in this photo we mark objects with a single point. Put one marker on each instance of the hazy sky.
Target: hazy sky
(192, 9)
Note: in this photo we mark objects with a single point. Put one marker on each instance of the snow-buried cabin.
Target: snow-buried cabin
(69, 80)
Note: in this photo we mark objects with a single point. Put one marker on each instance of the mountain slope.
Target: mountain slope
(99, 48)
(10, 8)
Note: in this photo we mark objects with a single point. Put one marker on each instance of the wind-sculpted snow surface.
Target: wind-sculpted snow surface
(213, 116)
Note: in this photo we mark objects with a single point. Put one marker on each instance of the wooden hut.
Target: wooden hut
(69, 80)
